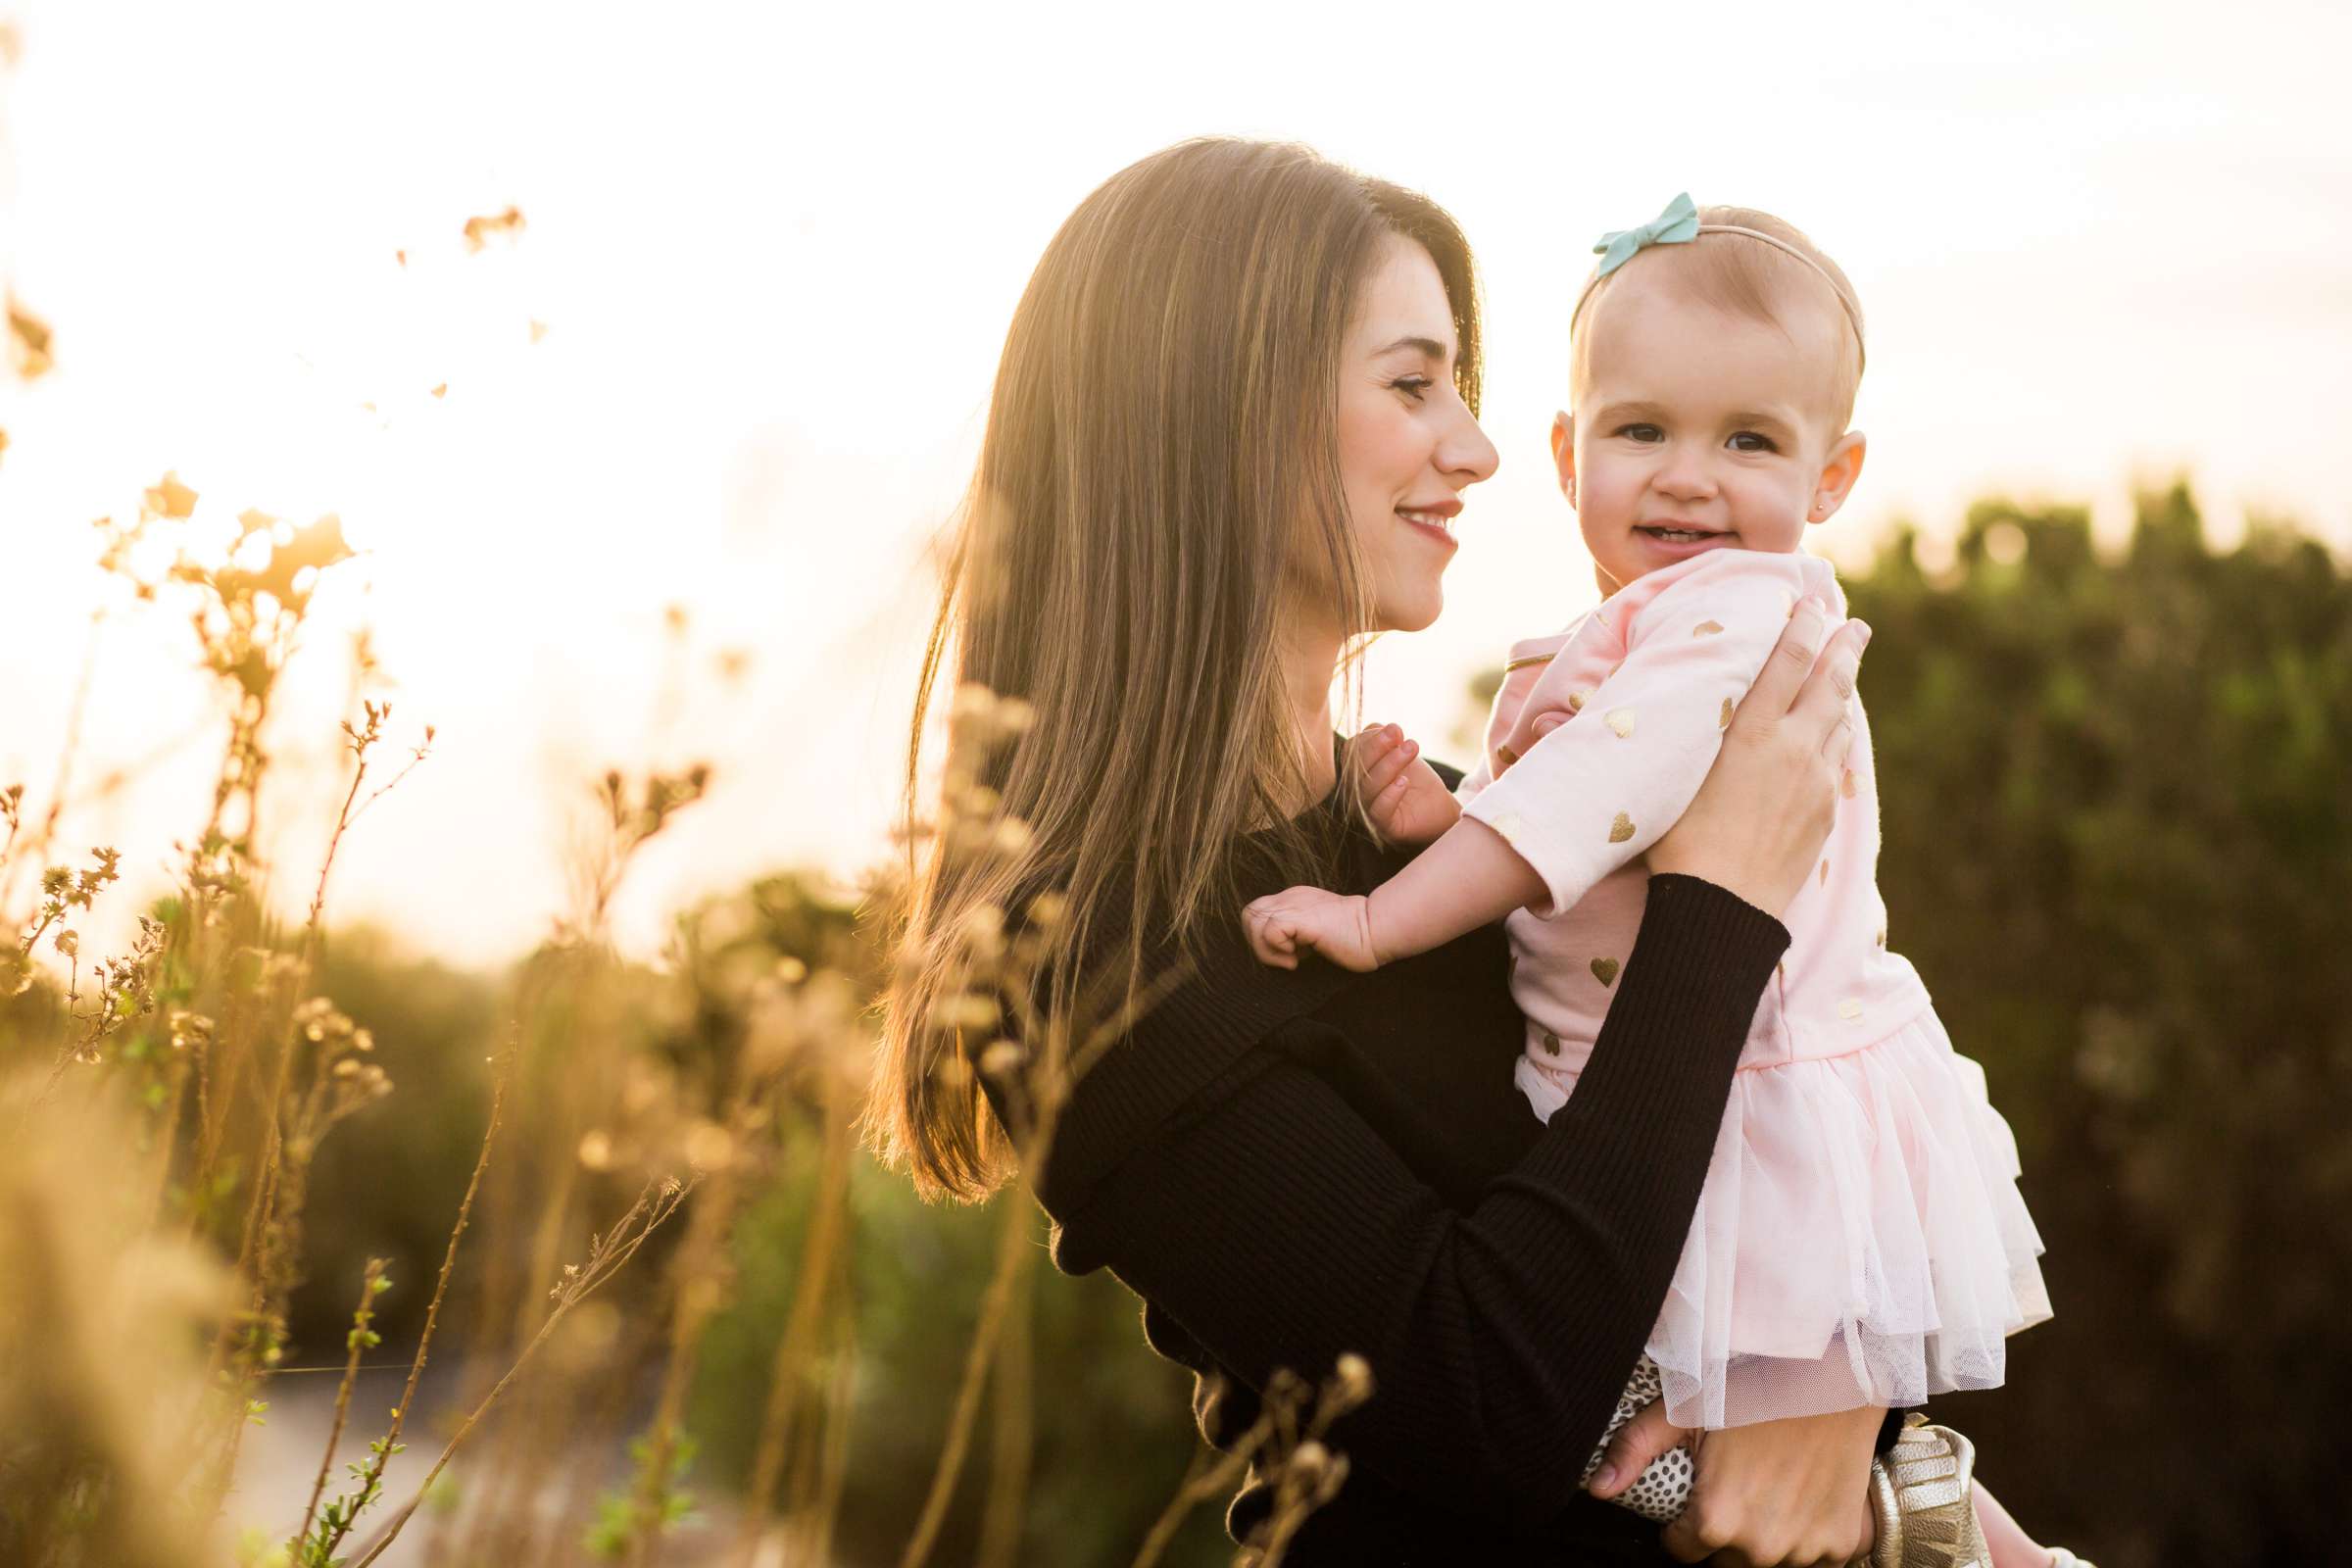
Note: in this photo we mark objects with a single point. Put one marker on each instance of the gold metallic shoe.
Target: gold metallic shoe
(1923, 1492)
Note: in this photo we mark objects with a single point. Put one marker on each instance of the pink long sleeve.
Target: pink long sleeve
(1596, 791)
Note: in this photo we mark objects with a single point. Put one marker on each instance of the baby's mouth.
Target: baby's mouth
(1681, 536)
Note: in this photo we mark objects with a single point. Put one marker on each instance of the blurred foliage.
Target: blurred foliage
(2118, 847)
(1112, 1425)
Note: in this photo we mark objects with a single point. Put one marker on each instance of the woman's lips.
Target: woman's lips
(1431, 525)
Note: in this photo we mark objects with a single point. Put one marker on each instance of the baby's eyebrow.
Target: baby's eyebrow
(1635, 409)
(1766, 416)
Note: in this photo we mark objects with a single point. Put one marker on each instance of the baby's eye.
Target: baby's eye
(1415, 387)
(1642, 432)
(1752, 441)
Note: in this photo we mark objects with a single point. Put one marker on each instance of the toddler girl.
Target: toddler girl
(1860, 1240)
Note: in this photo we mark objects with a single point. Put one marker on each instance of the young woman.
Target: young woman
(1230, 434)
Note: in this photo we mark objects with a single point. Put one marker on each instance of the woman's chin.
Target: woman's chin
(1412, 615)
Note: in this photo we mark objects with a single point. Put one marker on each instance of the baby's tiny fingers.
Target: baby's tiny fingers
(1389, 768)
(1392, 794)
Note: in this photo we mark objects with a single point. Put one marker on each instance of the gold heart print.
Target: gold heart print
(1604, 970)
(1621, 830)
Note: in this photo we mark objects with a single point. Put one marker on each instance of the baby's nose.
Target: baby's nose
(1686, 474)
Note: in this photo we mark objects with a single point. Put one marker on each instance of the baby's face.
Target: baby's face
(1698, 429)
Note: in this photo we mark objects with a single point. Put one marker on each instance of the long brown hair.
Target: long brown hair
(1160, 459)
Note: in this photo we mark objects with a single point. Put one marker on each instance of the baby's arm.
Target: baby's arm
(1596, 791)
(1458, 884)
(1587, 797)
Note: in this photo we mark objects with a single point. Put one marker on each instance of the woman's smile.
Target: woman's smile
(1434, 520)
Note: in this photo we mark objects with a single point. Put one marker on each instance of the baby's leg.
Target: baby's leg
(1659, 1490)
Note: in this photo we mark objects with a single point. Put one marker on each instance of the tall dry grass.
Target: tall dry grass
(163, 1112)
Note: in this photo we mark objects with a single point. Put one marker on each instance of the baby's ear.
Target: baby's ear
(1838, 472)
(1563, 452)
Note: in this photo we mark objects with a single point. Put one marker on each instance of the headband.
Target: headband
(1679, 225)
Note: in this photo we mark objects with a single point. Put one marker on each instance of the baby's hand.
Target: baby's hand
(1333, 924)
(1409, 803)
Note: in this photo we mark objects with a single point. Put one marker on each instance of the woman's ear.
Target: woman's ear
(1563, 453)
(1839, 472)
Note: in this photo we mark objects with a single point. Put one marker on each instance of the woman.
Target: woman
(1230, 432)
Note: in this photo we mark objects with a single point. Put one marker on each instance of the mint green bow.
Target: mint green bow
(1677, 224)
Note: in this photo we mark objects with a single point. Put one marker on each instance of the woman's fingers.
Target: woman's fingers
(1784, 675)
(1824, 703)
(1758, 822)
(1630, 1453)
(1789, 1493)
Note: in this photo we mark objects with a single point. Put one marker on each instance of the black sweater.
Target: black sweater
(1287, 1167)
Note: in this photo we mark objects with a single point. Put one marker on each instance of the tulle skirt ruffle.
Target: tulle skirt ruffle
(1860, 1239)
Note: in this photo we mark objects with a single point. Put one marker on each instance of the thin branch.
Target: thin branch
(369, 1288)
(382, 1453)
(604, 1263)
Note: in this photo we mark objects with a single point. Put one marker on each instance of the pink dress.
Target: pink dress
(1860, 1239)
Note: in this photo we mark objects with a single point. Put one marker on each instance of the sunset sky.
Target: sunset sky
(775, 250)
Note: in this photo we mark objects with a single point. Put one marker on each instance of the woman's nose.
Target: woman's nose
(1465, 454)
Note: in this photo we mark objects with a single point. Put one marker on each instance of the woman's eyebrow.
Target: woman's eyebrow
(1429, 346)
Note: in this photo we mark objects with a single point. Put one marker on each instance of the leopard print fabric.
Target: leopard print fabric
(1660, 1491)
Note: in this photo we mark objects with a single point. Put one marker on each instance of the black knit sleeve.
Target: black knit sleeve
(1278, 1229)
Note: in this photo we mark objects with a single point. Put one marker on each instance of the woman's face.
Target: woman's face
(1408, 445)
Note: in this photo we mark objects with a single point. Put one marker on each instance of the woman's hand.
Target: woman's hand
(1758, 823)
(1779, 1492)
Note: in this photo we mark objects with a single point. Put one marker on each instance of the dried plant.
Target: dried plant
(210, 1065)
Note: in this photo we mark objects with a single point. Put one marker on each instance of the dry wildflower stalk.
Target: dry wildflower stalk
(356, 1344)
(608, 1254)
(31, 352)
(1036, 1067)
(359, 741)
(246, 614)
(595, 1106)
(623, 827)
(821, 1254)
(1304, 1471)
(479, 230)
(322, 1554)
(1040, 1055)
(794, 1024)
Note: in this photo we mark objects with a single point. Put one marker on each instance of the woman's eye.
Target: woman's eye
(1642, 432)
(1752, 441)
(1413, 386)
